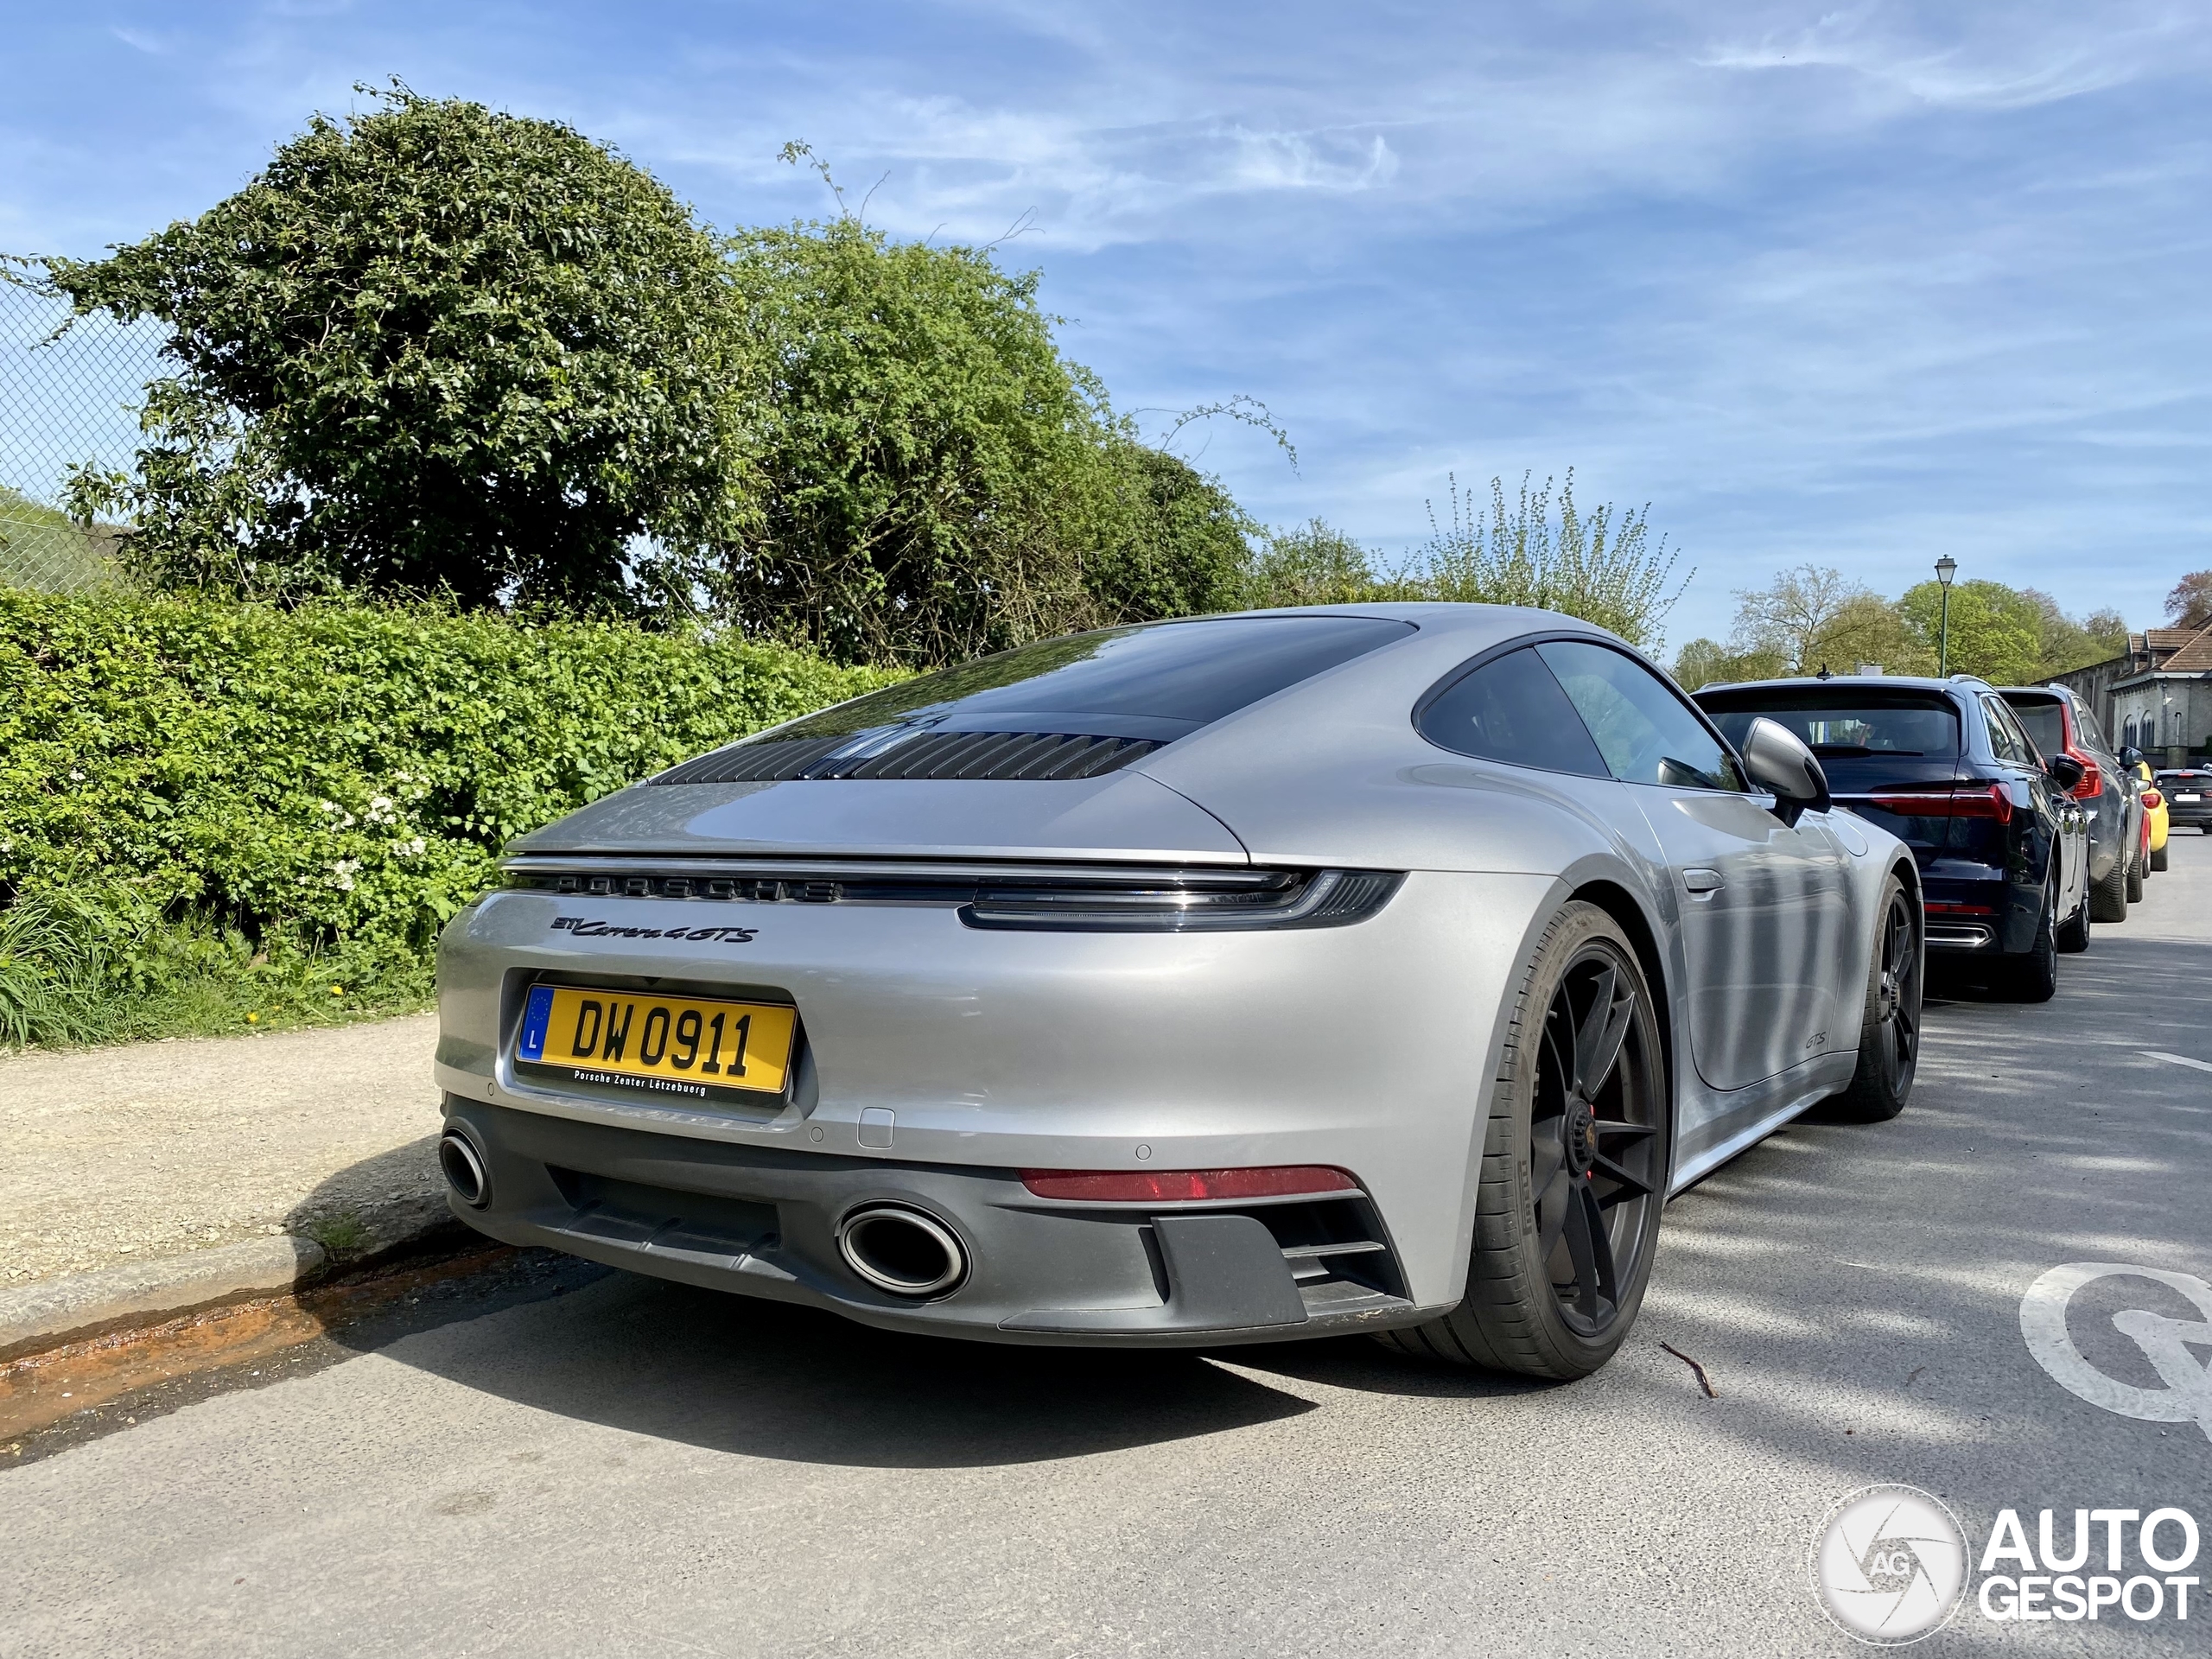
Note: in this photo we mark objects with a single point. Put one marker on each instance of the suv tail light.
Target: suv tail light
(2153, 799)
(1947, 801)
(2093, 781)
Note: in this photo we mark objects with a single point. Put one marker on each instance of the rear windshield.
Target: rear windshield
(1845, 723)
(1158, 680)
(2043, 723)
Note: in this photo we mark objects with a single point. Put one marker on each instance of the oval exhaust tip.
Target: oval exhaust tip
(903, 1251)
(464, 1169)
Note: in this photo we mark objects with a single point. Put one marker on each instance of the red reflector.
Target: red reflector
(1936, 907)
(1171, 1186)
(1945, 801)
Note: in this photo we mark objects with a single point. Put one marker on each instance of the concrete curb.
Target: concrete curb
(45, 1314)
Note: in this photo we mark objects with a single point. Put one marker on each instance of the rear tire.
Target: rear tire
(2034, 977)
(2073, 935)
(2108, 898)
(2158, 860)
(1889, 1027)
(1574, 1160)
(2134, 882)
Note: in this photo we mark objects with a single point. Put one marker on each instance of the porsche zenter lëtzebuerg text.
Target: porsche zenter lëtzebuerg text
(1231, 979)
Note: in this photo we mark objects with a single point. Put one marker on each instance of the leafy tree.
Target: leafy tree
(2190, 605)
(1788, 618)
(936, 480)
(428, 347)
(1996, 631)
(1175, 541)
(1869, 629)
(1601, 568)
(2065, 644)
(1315, 564)
(1707, 662)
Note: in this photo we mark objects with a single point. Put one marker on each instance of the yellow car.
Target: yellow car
(2154, 815)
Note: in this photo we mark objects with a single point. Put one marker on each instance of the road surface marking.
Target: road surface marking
(2187, 1396)
(2175, 1059)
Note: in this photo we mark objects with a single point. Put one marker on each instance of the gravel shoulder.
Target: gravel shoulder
(124, 1155)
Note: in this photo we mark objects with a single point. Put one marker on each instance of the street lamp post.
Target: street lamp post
(1946, 568)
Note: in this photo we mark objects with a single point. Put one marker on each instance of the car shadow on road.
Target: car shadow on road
(769, 1380)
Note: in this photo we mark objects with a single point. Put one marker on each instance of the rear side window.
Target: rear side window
(1845, 725)
(2043, 722)
(2023, 745)
(2003, 739)
(1645, 732)
(1511, 709)
(2093, 733)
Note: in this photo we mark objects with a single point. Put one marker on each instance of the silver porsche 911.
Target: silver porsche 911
(1231, 979)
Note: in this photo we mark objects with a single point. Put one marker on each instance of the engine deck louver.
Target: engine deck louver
(1029, 756)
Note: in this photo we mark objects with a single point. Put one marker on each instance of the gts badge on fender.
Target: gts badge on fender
(586, 927)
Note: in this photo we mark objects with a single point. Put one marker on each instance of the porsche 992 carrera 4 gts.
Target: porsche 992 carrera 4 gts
(1223, 980)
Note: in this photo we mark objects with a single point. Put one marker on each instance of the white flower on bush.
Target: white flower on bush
(75, 776)
(380, 809)
(411, 847)
(341, 873)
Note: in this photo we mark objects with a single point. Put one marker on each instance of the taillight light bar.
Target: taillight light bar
(1947, 801)
(1185, 1185)
(1939, 907)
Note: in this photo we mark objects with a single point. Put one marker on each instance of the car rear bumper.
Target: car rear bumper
(938, 1059)
(1986, 917)
(765, 1221)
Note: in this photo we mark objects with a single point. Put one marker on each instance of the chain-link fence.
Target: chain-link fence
(67, 401)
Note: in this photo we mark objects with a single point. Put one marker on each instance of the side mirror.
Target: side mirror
(2065, 770)
(1786, 769)
(2130, 757)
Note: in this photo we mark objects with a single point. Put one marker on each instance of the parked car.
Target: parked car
(1943, 766)
(2062, 724)
(2188, 790)
(2157, 820)
(1209, 981)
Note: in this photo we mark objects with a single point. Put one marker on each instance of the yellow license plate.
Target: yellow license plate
(682, 1045)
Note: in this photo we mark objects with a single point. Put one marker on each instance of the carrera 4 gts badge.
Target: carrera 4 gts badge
(588, 927)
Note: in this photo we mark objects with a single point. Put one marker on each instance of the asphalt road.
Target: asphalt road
(636, 1469)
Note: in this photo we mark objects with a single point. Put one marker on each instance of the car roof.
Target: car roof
(1888, 682)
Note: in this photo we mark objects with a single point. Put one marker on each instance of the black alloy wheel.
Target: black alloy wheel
(1592, 1140)
(1574, 1166)
(1889, 1032)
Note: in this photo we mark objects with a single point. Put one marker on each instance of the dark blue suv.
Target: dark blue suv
(1946, 766)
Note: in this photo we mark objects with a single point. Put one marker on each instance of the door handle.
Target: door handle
(1703, 880)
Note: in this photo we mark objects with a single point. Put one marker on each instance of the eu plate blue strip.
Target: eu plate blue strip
(535, 1016)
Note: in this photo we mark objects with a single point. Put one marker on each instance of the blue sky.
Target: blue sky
(1860, 284)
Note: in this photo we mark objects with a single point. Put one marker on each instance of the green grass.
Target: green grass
(76, 973)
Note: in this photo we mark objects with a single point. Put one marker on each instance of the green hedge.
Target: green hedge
(275, 786)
